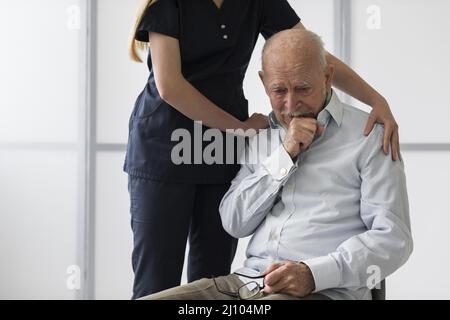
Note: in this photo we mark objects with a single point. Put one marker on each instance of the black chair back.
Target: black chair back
(379, 294)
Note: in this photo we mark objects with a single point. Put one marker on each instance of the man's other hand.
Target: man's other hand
(289, 277)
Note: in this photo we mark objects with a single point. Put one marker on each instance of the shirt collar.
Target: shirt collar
(334, 108)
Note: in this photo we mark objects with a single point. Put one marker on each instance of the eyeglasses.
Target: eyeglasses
(247, 291)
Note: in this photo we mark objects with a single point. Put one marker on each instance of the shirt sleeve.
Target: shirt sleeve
(161, 17)
(277, 15)
(254, 191)
(387, 243)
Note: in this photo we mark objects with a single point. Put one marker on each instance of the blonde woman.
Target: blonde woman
(199, 51)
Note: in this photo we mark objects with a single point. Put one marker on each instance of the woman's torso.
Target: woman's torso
(215, 47)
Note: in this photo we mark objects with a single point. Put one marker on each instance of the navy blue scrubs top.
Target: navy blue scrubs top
(216, 46)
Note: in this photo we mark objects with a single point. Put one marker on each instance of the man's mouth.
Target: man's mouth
(301, 115)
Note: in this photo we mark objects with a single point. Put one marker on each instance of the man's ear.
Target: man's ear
(329, 74)
(261, 76)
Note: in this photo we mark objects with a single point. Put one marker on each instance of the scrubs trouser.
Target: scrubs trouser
(163, 215)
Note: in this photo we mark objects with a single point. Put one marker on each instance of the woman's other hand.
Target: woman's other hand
(381, 113)
(257, 121)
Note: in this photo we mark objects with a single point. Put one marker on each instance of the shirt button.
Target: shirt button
(225, 36)
(223, 26)
(283, 172)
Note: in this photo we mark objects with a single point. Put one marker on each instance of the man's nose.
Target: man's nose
(291, 102)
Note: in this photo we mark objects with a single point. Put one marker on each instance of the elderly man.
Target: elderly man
(328, 211)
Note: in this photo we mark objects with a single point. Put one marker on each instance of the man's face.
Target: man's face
(296, 88)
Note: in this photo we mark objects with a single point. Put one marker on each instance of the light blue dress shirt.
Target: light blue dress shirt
(341, 208)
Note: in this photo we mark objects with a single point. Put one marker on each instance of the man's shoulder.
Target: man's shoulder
(354, 116)
(354, 123)
(356, 119)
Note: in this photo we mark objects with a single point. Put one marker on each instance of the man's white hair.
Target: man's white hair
(298, 40)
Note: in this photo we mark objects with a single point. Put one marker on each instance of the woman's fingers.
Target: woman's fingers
(395, 144)
(370, 123)
(387, 139)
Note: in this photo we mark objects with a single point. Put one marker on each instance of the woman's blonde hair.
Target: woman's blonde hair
(135, 46)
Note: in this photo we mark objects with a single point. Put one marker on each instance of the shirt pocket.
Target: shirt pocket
(147, 104)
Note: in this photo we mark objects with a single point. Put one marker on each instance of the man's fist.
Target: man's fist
(300, 135)
(289, 277)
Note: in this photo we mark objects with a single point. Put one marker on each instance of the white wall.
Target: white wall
(400, 47)
(40, 109)
(406, 60)
(119, 81)
(424, 276)
(41, 143)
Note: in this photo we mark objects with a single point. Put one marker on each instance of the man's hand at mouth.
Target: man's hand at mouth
(300, 135)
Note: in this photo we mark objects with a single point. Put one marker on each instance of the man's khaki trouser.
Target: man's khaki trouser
(205, 289)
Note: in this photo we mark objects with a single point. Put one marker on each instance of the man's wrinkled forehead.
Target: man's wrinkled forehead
(279, 83)
(296, 72)
(290, 63)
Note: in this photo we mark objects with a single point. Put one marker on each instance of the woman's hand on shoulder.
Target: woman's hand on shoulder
(257, 121)
(381, 113)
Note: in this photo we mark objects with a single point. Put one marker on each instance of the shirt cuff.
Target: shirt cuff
(325, 272)
(279, 164)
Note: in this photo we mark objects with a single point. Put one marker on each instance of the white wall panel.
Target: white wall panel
(401, 48)
(113, 236)
(424, 276)
(119, 80)
(40, 76)
(38, 219)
